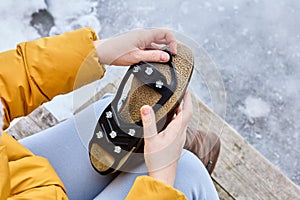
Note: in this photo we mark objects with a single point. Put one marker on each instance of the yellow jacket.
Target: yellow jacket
(32, 74)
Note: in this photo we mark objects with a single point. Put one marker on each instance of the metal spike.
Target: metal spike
(131, 132)
(149, 71)
(159, 84)
(99, 135)
(113, 134)
(109, 114)
(117, 149)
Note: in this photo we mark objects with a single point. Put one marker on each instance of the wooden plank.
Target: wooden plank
(23, 128)
(35, 122)
(223, 194)
(43, 118)
(109, 88)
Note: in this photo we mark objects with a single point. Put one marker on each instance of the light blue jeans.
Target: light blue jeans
(65, 146)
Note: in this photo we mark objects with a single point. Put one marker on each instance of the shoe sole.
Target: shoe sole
(139, 95)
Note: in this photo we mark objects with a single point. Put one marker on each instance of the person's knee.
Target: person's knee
(191, 162)
(192, 178)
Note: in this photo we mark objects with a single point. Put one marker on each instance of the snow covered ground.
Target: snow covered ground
(255, 44)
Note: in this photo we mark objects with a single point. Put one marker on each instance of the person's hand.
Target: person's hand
(163, 150)
(135, 46)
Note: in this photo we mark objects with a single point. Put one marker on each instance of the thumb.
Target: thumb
(153, 56)
(149, 122)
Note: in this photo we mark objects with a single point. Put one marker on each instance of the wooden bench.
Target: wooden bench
(241, 171)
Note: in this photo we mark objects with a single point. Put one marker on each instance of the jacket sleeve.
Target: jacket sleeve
(147, 188)
(25, 176)
(32, 74)
(39, 70)
(4, 173)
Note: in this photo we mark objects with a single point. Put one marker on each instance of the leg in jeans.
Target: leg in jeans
(65, 146)
(192, 179)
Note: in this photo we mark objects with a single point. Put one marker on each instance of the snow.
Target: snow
(73, 14)
(15, 22)
(16, 16)
(255, 107)
(255, 45)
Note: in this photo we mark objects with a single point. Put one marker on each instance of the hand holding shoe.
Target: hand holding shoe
(135, 46)
(163, 150)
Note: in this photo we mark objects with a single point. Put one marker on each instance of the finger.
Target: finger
(178, 110)
(154, 46)
(187, 109)
(173, 47)
(176, 129)
(185, 113)
(152, 56)
(164, 36)
(149, 122)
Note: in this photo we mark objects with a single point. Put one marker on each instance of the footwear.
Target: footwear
(119, 132)
(206, 146)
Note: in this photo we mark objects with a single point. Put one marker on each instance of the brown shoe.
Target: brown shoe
(206, 146)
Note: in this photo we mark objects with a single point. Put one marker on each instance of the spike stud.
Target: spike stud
(149, 71)
(109, 114)
(117, 149)
(99, 135)
(159, 84)
(136, 69)
(113, 134)
(131, 132)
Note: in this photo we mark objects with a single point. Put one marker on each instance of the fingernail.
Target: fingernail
(164, 57)
(145, 110)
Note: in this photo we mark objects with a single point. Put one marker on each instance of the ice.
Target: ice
(255, 45)
(235, 7)
(255, 107)
(221, 8)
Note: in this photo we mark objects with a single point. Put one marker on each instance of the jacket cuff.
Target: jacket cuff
(145, 187)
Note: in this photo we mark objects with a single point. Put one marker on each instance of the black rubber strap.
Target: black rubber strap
(156, 80)
(115, 140)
